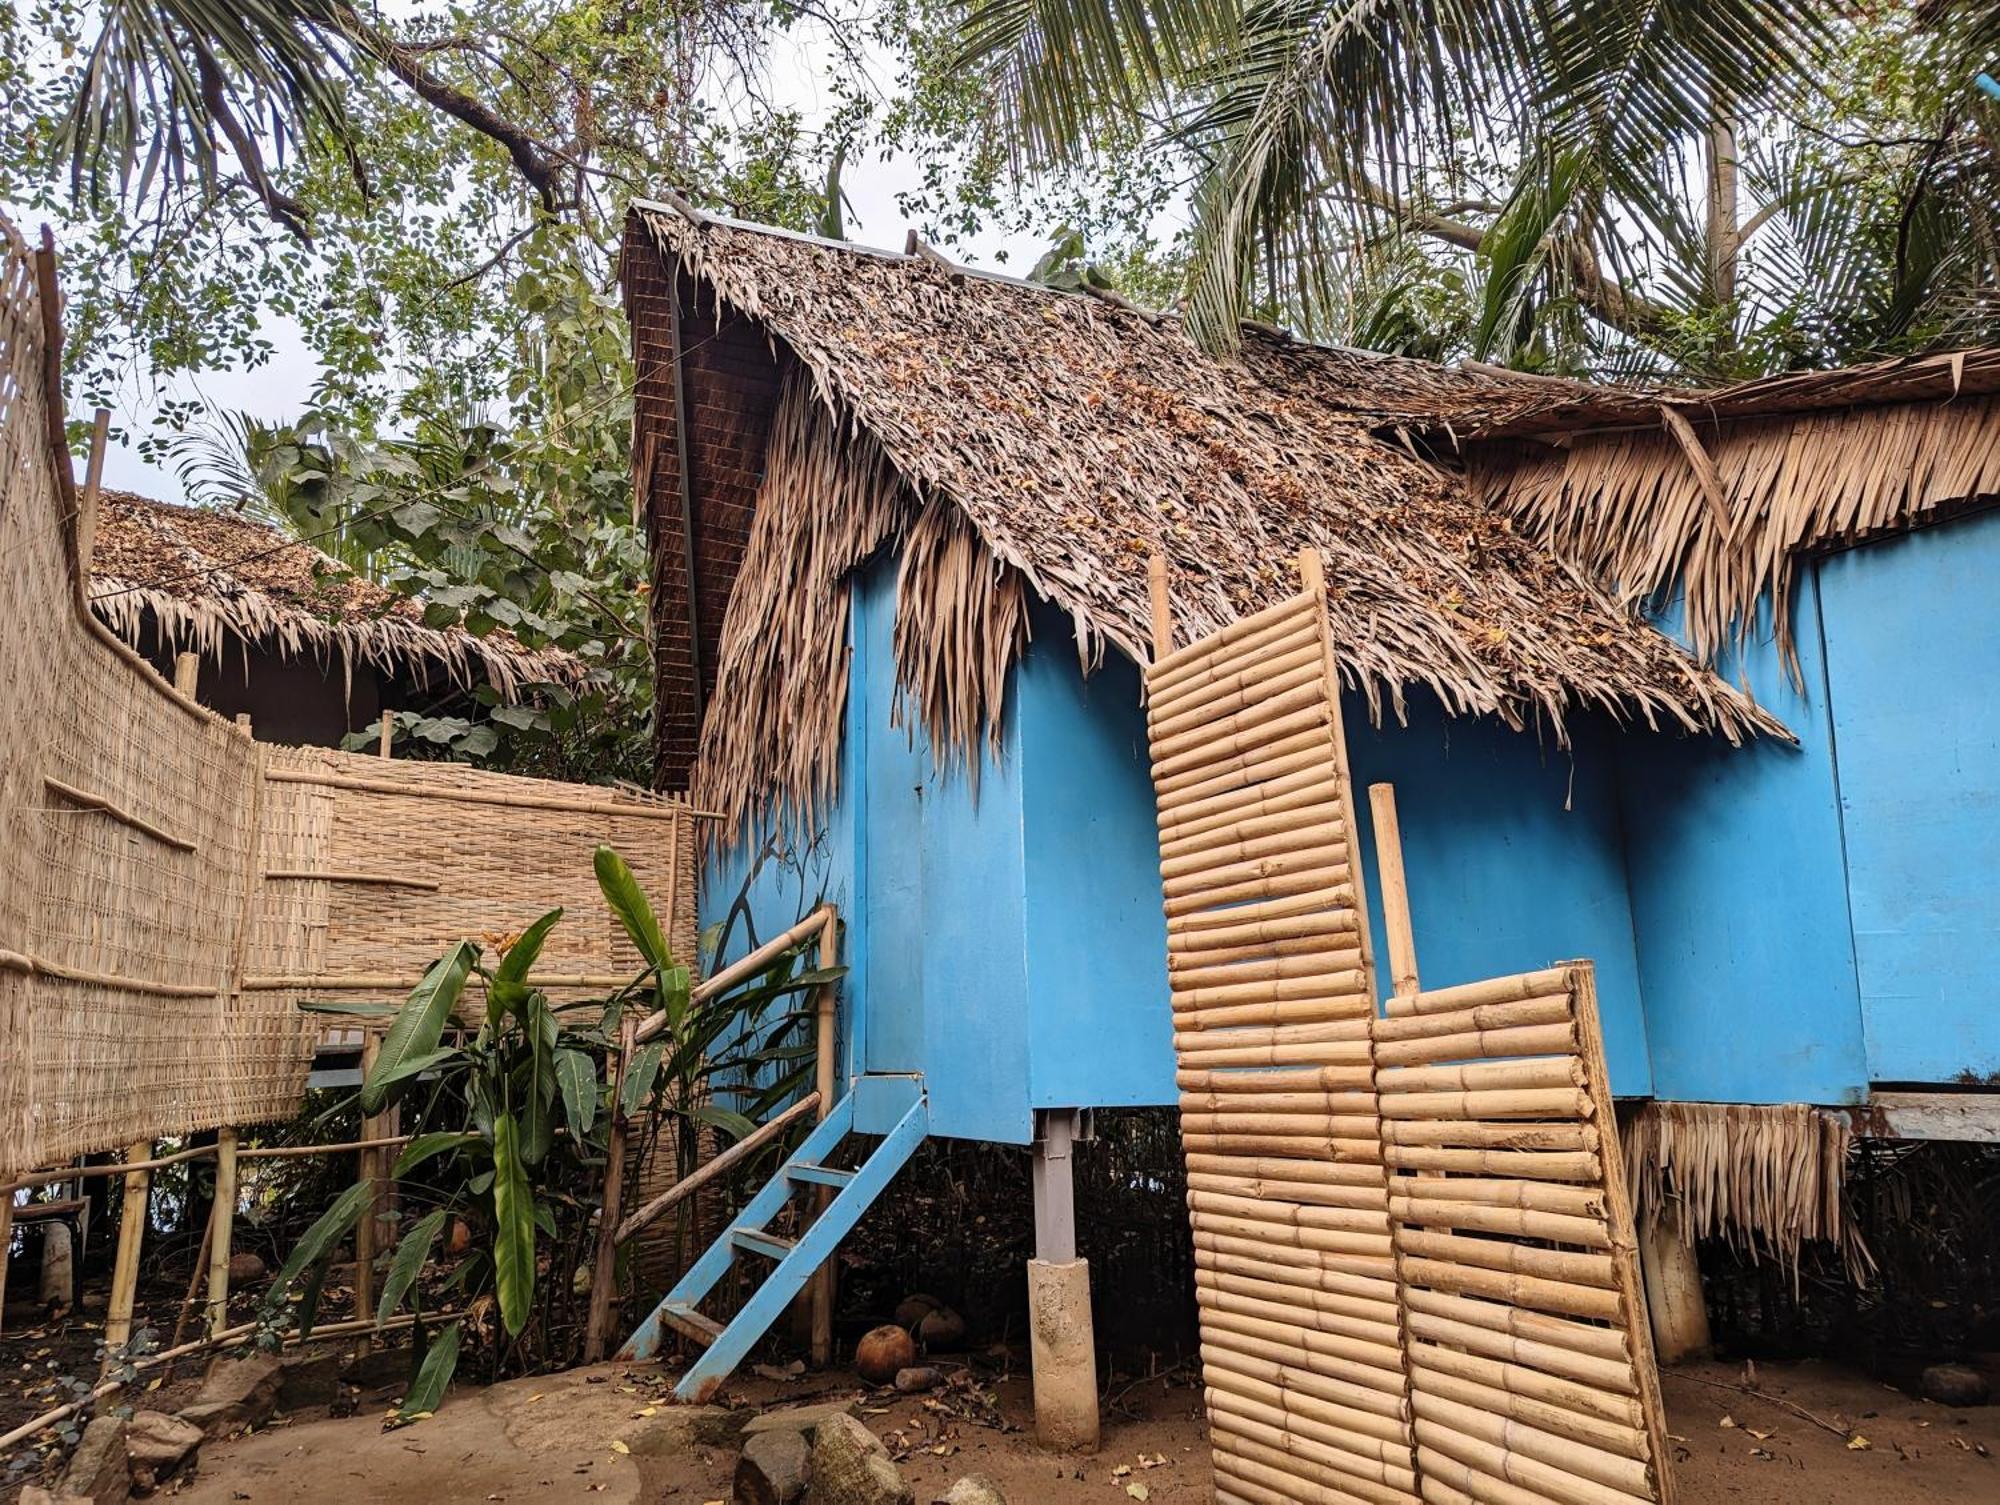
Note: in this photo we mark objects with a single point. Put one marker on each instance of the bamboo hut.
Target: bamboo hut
(1653, 649)
(287, 634)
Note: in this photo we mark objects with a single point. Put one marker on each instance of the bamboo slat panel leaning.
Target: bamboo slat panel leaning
(170, 890)
(1272, 994)
(1416, 1267)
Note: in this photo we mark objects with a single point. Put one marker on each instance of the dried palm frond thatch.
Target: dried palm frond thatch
(209, 580)
(1765, 1178)
(1072, 437)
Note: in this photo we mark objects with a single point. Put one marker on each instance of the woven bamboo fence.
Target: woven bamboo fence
(1414, 1257)
(171, 891)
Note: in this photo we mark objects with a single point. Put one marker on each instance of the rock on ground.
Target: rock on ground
(1954, 1385)
(308, 1379)
(98, 1470)
(238, 1393)
(851, 1467)
(157, 1444)
(774, 1469)
(973, 1489)
(915, 1381)
(244, 1267)
(801, 1419)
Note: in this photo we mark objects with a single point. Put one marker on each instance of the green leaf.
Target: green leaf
(735, 1125)
(639, 1076)
(306, 1313)
(414, 1067)
(409, 1263)
(424, 1146)
(576, 1073)
(433, 1378)
(421, 1021)
(628, 902)
(334, 1225)
(538, 1106)
(368, 1010)
(526, 949)
(514, 1230)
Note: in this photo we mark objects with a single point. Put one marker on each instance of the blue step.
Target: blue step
(893, 1106)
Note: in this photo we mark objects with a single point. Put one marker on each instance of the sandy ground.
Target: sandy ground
(607, 1434)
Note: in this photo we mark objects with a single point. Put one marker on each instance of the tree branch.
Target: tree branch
(282, 207)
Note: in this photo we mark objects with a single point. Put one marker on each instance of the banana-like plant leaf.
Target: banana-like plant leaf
(421, 1021)
(425, 1146)
(639, 1077)
(333, 1225)
(433, 1377)
(526, 950)
(514, 1229)
(628, 902)
(306, 1313)
(539, 1098)
(368, 1010)
(409, 1263)
(735, 1125)
(415, 1066)
(576, 1074)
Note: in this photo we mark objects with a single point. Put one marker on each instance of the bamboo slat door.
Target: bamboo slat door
(1273, 994)
(1415, 1261)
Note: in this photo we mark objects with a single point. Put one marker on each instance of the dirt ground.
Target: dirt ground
(608, 1434)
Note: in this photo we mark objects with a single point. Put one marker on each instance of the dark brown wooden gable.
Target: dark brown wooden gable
(700, 501)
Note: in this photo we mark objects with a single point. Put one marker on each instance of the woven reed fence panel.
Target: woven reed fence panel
(1415, 1264)
(170, 890)
(1531, 1362)
(1272, 992)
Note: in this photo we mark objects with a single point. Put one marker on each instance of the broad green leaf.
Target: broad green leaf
(639, 1076)
(334, 1225)
(735, 1125)
(368, 1010)
(514, 1229)
(576, 1074)
(421, 1021)
(509, 988)
(433, 1378)
(415, 1066)
(409, 1263)
(424, 1146)
(539, 1098)
(306, 1313)
(628, 902)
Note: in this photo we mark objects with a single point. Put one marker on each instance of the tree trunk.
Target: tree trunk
(1725, 233)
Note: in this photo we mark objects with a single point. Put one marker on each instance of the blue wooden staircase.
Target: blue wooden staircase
(892, 1106)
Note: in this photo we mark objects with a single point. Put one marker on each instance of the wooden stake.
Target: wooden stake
(195, 1278)
(1395, 891)
(187, 673)
(1163, 611)
(131, 1235)
(604, 1271)
(93, 479)
(6, 1246)
(364, 1231)
(825, 1081)
(222, 1223)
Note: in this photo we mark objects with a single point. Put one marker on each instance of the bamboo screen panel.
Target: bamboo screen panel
(1415, 1263)
(170, 890)
(1272, 997)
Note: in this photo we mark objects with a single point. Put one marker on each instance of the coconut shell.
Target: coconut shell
(882, 1352)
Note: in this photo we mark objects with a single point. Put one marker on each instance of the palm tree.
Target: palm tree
(1321, 125)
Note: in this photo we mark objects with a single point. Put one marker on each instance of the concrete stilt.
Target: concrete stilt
(1674, 1301)
(1062, 1340)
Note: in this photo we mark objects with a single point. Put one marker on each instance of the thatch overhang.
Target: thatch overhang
(1717, 494)
(223, 585)
(1068, 438)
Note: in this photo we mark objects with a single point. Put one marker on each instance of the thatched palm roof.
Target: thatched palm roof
(1718, 493)
(204, 577)
(1074, 437)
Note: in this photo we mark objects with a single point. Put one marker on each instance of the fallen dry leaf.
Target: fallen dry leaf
(1138, 1491)
(619, 1447)
(1858, 1444)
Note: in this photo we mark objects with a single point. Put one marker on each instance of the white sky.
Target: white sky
(799, 71)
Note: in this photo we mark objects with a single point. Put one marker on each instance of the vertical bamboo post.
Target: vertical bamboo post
(221, 1224)
(604, 1272)
(1163, 610)
(364, 1231)
(1396, 920)
(93, 484)
(6, 1246)
(187, 673)
(824, 1075)
(125, 1266)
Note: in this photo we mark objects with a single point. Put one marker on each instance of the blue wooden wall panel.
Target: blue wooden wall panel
(1912, 633)
(1739, 898)
(1514, 858)
(1102, 1028)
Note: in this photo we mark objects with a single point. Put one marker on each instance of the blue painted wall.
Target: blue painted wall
(1912, 634)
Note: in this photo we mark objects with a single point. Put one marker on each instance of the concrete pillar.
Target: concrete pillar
(58, 1283)
(1062, 1341)
(1674, 1302)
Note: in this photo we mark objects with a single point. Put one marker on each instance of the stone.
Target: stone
(916, 1381)
(308, 1379)
(1954, 1385)
(941, 1330)
(157, 1444)
(881, 1352)
(58, 1280)
(913, 1308)
(804, 1420)
(245, 1267)
(1063, 1355)
(774, 1469)
(851, 1467)
(99, 1469)
(973, 1489)
(238, 1393)
(676, 1429)
(34, 1494)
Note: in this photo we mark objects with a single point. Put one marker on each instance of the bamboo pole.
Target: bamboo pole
(131, 1237)
(93, 485)
(195, 1277)
(364, 1230)
(826, 1086)
(604, 1269)
(1397, 922)
(6, 1248)
(748, 966)
(221, 1223)
(720, 1166)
